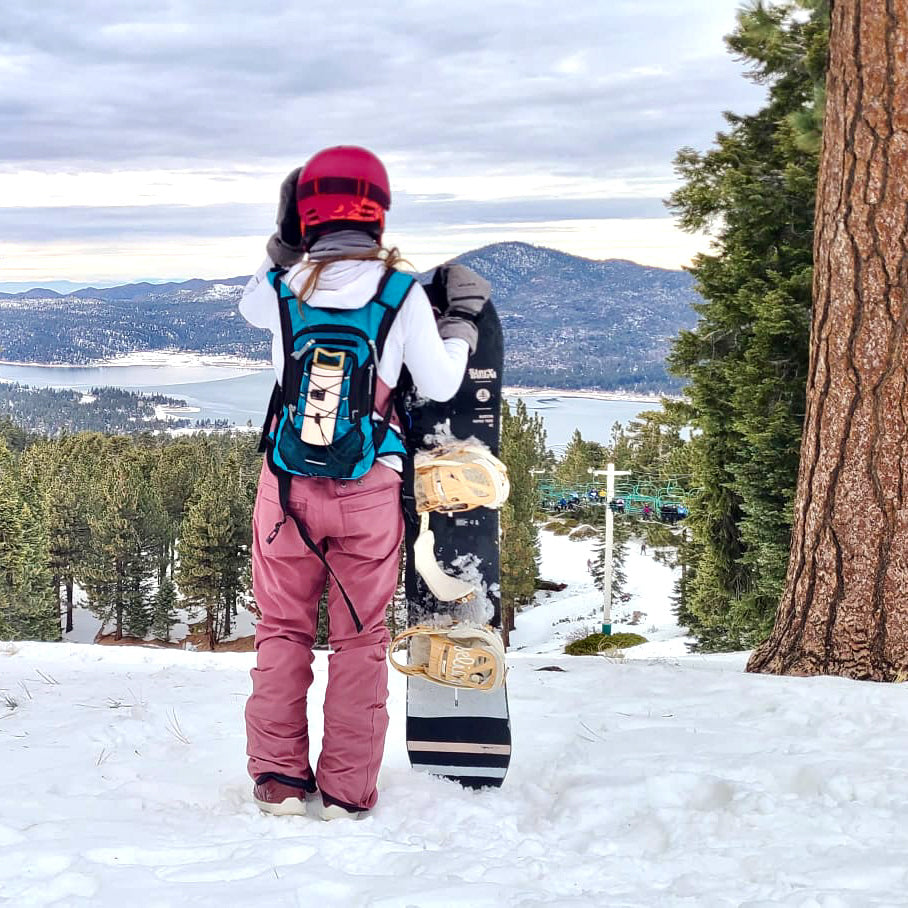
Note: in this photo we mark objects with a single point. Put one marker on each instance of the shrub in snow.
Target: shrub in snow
(594, 644)
(584, 531)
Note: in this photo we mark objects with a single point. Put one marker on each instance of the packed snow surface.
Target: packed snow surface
(672, 780)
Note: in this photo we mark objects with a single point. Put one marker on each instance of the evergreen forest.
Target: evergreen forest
(156, 530)
(745, 363)
(114, 410)
(148, 525)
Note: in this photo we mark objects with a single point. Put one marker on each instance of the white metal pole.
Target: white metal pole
(610, 475)
(609, 541)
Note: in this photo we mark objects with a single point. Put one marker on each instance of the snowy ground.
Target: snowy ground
(673, 780)
(577, 611)
(86, 626)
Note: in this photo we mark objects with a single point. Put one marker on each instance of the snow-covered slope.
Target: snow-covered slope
(671, 781)
(577, 611)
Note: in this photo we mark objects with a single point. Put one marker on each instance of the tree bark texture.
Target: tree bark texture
(845, 606)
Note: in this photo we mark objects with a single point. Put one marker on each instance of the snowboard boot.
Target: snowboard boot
(328, 808)
(284, 796)
(465, 656)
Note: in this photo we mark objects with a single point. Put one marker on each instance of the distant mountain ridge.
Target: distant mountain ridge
(569, 322)
(572, 322)
(125, 291)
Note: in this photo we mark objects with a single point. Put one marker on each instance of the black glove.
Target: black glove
(285, 246)
(466, 293)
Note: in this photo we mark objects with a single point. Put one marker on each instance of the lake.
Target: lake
(240, 393)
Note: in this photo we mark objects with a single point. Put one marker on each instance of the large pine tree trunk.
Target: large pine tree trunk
(845, 606)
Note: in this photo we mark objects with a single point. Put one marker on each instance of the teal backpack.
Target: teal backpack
(326, 424)
(325, 402)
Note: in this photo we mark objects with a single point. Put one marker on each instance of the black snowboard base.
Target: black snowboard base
(463, 735)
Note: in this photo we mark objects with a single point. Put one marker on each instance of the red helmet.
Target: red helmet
(344, 186)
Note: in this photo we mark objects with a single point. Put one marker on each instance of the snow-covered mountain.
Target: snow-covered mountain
(569, 322)
(578, 323)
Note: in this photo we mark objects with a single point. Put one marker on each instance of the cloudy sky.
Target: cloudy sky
(147, 139)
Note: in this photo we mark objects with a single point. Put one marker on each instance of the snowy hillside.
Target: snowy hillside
(668, 780)
(577, 611)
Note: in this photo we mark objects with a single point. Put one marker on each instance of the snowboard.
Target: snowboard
(463, 735)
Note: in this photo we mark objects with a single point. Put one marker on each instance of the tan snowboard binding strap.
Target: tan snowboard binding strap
(459, 477)
(452, 478)
(468, 657)
(443, 587)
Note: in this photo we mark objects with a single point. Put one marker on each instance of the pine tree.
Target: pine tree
(122, 564)
(652, 446)
(658, 457)
(522, 450)
(28, 608)
(14, 437)
(396, 618)
(174, 474)
(58, 472)
(164, 610)
(746, 361)
(241, 496)
(622, 535)
(214, 549)
(579, 457)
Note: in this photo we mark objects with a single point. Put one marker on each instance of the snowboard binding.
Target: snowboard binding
(451, 479)
(459, 477)
(468, 657)
(443, 587)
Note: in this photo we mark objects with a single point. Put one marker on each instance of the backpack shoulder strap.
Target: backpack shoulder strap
(391, 293)
(276, 401)
(284, 297)
(392, 290)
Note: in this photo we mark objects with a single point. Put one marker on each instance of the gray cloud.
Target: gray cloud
(482, 86)
(34, 225)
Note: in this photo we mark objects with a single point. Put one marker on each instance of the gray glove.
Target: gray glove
(285, 245)
(467, 293)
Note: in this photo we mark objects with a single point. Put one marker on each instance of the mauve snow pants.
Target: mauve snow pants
(358, 523)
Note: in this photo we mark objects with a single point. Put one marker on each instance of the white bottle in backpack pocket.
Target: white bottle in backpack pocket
(326, 378)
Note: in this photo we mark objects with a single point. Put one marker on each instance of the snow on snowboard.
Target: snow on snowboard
(460, 733)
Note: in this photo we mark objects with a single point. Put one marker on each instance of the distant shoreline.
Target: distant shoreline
(587, 393)
(187, 359)
(172, 358)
